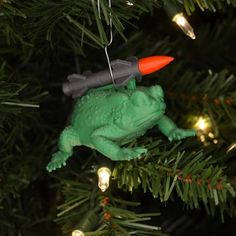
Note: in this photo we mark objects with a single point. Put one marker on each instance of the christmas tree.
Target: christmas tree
(179, 187)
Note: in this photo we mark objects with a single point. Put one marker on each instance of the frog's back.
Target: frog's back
(90, 110)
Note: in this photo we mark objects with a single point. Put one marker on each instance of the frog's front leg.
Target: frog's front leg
(169, 129)
(68, 139)
(102, 139)
(131, 85)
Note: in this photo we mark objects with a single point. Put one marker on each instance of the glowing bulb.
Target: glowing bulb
(181, 21)
(77, 233)
(211, 135)
(129, 3)
(215, 141)
(202, 124)
(231, 147)
(104, 174)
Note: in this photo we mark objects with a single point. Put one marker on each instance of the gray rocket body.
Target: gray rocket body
(122, 72)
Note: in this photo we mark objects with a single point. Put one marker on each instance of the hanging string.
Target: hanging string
(110, 42)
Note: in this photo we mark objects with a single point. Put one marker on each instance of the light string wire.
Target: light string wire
(111, 39)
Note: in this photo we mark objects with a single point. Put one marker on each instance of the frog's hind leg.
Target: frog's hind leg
(102, 139)
(68, 139)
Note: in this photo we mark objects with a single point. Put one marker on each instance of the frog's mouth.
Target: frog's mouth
(149, 118)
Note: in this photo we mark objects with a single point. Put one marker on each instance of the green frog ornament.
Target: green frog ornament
(105, 119)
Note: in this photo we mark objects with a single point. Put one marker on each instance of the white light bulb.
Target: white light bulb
(104, 174)
(129, 3)
(231, 147)
(202, 124)
(181, 21)
(77, 233)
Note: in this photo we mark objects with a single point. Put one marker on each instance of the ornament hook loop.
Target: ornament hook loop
(110, 42)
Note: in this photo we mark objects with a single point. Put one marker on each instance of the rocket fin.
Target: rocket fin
(79, 93)
(121, 82)
(87, 72)
(75, 77)
(132, 59)
(116, 64)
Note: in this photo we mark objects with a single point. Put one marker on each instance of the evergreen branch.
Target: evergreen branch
(15, 97)
(8, 9)
(205, 94)
(43, 20)
(218, 54)
(80, 196)
(215, 37)
(20, 171)
(213, 5)
(20, 163)
(194, 177)
(166, 171)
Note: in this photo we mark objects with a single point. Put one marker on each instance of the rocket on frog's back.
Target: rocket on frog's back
(122, 72)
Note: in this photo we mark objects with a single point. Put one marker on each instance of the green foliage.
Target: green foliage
(109, 216)
(213, 5)
(23, 149)
(215, 37)
(211, 94)
(18, 105)
(194, 177)
(36, 38)
(70, 24)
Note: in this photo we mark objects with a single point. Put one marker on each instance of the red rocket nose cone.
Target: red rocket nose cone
(148, 65)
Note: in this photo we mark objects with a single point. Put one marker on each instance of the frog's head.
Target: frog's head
(144, 105)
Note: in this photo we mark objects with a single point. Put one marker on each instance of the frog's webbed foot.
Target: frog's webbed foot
(130, 153)
(58, 160)
(178, 134)
(168, 128)
(68, 139)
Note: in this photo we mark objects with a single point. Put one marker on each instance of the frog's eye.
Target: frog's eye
(156, 91)
(139, 98)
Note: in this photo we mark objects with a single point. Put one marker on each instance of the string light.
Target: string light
(77, 233)
(211, 135)
(202, 124)
(176, 14)
(231, 147)
(204, 127)
(215, 141)
(104, 174)
(184, 25)
(129, 3)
